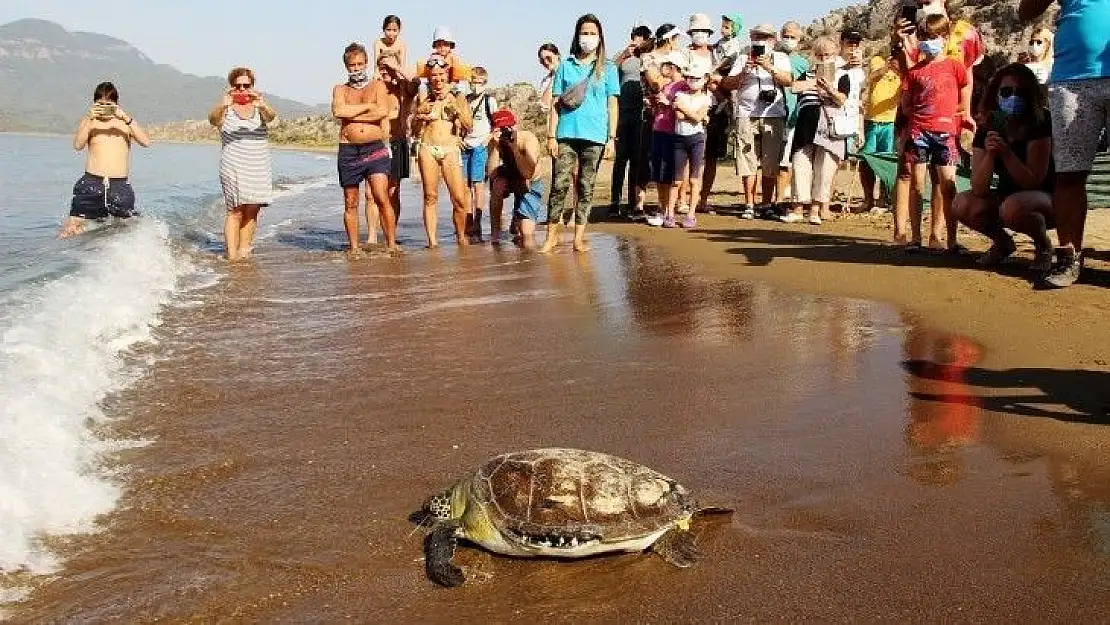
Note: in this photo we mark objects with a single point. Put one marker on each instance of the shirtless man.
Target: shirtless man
(362, 107)
(402, 92)
(514, 157)
(441, 120)
(104, 190)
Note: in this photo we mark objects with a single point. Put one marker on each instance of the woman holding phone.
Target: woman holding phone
(819, 144)
(242, 116)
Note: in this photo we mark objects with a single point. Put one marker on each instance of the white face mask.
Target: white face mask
(697, 84)
(700, 38)
(788, 44)
(1037, 49)
(588, 43)
(477, 89)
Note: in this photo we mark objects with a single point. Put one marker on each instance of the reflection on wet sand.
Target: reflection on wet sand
(307, 407)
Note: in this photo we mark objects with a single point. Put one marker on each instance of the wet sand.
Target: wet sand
(301, 410)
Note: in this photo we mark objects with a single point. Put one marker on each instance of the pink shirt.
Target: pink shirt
(665, 120)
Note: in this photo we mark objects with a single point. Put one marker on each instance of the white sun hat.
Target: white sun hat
(700, 21)
(442, 33)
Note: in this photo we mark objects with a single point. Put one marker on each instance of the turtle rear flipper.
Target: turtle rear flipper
(678, 547)
(439, 549)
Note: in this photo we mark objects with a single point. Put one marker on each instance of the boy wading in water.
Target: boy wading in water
(362, 107)
(107, 130)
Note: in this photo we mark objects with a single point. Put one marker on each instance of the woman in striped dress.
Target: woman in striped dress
(245, 170)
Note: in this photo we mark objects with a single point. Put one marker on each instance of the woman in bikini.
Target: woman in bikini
(442, 119)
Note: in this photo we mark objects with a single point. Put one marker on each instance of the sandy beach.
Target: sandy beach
(853, 257)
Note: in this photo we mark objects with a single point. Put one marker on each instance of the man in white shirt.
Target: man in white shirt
(758, 82)
(851, 61)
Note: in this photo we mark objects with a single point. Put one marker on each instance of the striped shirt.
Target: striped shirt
(246, 173)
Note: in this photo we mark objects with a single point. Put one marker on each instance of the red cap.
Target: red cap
(503, 118)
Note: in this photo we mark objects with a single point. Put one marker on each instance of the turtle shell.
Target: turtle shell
(584, 495)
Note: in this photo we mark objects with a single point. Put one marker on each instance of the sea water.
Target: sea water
(71, 312)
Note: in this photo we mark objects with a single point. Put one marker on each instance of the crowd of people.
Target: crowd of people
(671, 106)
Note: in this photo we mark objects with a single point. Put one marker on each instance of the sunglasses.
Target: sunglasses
(240, 85)
(547, 59)
(1038, 42)
(437, 61)
(1008, 92)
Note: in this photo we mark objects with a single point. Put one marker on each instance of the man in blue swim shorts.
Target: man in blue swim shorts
(514, 156)
(362, 106)
(103, 192)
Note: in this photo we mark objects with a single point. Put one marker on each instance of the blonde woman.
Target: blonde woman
(1039, 56)
(242, 115)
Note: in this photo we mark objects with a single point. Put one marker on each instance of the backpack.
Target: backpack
(485, 101)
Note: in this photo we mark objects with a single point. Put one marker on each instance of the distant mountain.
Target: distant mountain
(47, 76)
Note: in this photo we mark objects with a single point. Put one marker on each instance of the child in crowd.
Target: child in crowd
(443, 47)
(663, 172)
(729, 46)
(475, 153)
(691, 105)
(939, 99)
(880, 105)
(390, 44)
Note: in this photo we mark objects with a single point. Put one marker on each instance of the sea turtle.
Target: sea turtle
(560, 503)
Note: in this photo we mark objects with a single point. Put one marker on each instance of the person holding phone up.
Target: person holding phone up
(759, 100)
(104, 191)
(242, 115)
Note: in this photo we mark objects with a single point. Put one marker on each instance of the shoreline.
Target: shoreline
(853, 257)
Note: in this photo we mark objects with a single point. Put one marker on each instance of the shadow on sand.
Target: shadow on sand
(762, 246)
(1074, 396)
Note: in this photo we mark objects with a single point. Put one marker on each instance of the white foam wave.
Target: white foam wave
(63, 346)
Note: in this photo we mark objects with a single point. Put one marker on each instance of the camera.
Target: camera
(768, 96)
(759, 50)
(508, 135)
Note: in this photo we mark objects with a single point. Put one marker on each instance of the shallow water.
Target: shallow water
(298, 410)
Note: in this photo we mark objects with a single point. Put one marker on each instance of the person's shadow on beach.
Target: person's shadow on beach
(761, 246)
(1076, 396)
(315, 239)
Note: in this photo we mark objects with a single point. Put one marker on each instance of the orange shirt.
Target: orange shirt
(457, 70)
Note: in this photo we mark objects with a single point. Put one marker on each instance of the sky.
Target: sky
(296, 46)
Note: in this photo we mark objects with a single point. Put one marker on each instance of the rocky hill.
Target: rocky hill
(323, 130)
(47, 75)
(1004, 34)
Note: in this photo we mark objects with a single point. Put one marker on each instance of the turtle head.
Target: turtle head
(438, 507)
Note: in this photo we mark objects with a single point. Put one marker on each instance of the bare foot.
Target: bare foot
(354, 254)
(549, 246)
(581, 246)
(73, 226)
(395, 250)
(432, 246)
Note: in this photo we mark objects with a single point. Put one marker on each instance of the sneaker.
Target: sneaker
(689, 221)
(655, 219)
(790, 218)
(997, 253)
(814, 220)
(1066, 271)
(683, 209)
(615, 212)
(638, 214)
(749, 213)
(767, 211)
(668, 222)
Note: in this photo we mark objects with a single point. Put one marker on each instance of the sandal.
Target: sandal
(913, 247)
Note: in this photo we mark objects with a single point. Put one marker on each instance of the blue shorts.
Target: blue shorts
(474, 164)
(96, 197)
(529, 205)
(878, 137)
(932, 148)
(357, 162)
(662, 157)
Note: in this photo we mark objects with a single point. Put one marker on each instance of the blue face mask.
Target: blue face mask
(931, 47)
(1013, 105)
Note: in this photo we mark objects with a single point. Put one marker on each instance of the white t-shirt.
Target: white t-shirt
(853, 106)
(752, 82)
(691, 102)
(479, 134)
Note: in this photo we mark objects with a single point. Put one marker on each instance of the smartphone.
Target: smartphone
(826, 71)
(909, 10)
(105, 111)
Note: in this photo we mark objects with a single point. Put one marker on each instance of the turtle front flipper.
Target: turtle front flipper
(439, 548)
(678, 546)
